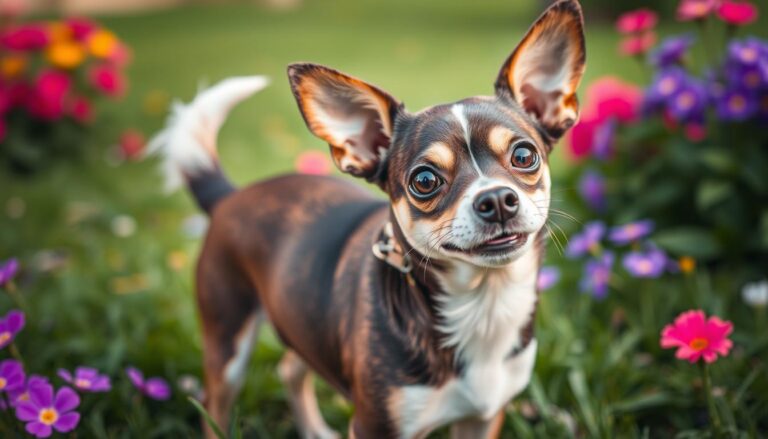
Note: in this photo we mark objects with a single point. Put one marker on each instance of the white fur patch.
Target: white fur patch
(188, 141)
(234, 372)
(458, 112)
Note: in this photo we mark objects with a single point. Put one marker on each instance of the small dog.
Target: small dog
(420, 310)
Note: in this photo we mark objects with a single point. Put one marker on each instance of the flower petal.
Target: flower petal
(67, 422)
(15, 321)
(66, 400)
(157, 388)
(86, 372)
(41, 395)
(65, 375)
(26, 411)
(38, 429)
(136, 377)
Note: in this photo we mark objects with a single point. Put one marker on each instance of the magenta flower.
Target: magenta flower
(737, 13)
(11, 376)
(548, 277)
(646, 264)
(586, 241)
(8, 270)
(639, 20)
(44, 413)
(597, 273)
(695, 9)
(86, 379)
(21, 394)
(631, 232)
(10, 325)
(695, 337)
(155, 387)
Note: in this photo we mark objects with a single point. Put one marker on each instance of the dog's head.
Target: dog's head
(469, 180)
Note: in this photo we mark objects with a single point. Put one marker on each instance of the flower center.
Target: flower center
(737, 103)
(48, 416)
(667, 86)
(699, 343)
(4, 336)
(752, 79)
(83, 383)
(748, 54)
(23, 397)
(644, 266)
(685, 100)
(3, 383)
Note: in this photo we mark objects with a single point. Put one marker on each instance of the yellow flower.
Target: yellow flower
(687, 264)
(59, 32)
(65, 54)
(13, 66)
(102, 43)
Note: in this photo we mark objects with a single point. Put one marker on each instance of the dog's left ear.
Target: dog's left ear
(354, 117)
(545, 69)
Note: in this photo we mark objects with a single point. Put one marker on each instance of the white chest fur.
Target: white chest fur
(483, 315)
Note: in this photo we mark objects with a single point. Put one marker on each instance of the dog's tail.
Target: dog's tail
(187, 144)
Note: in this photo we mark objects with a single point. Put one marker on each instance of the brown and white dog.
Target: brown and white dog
(435, 324)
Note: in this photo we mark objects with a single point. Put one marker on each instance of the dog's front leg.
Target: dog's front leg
(476, 428)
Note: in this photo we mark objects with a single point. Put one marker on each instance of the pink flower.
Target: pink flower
(107, 80)
(637, 44)
(695, 132)
(695, 337)
(696, 9)
(49, 93)
(80, 109)
(636, 21)
(27, 37)
(313, 163)
(81, 28)
(131, 145)
(737, 13)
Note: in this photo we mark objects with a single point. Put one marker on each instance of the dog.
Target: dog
(419, 309)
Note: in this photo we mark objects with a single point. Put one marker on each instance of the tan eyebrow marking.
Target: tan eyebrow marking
(441, 154)
(499, 138)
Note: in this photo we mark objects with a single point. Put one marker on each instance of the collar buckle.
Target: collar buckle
(388, 250)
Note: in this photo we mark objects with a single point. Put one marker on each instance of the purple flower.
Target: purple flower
(648, 264)
(671, 51)
(11, 376)
(736, 105)
(8, 270)
(592, 189)
(602, 143)
(21, 394)
(748, 52)
(748, 77)
(585, 241)
(155, 388)
(597, 273)
(631, 232)
(689, 103)
(548, 277)
(10, 325)
(86, 379)
(666, 84)
(44, 413)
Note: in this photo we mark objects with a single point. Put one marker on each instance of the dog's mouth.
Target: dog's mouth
(501, 244)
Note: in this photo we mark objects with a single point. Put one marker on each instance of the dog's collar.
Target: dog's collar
(390, 251)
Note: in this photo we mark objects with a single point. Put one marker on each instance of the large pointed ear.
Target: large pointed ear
(355, 118)
(545, 69)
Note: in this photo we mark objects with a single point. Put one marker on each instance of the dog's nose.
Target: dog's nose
(496, 205)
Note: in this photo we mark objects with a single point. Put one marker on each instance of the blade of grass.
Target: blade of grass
(208, 420)
(578, 383)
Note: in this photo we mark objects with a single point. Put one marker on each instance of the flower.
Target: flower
(131, 144)
(49, 93)
(81, 28)
(44, 413)
(646, 264)
(686, 264)
(586, 241)
(695, 131)
(592, 189)
(602, 142)
(8, 270)
(736, 105)
(313, 163)
(12, 65)
(637, 44)
(597, 273)
(639, 20)
(155, 388)
(737, 13)
(671, 51)
(80, 109)
(631, 232)
(11, 376)
(548, 277)
(86, 379)
(695, 9)
(756, 293)
(747, 52)
(65, 54)
(21, 394)
(665, 85)
(106, 79)
(25, 38)
(689, 103)
(102, 43)
(695, 337)
(10, 325)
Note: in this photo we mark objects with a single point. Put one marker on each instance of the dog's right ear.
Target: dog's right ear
(355, 118)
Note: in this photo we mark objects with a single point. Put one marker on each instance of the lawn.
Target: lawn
(98, 292)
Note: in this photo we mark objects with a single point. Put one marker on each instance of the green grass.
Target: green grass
(118, 302)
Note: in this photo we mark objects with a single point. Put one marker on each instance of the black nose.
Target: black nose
(496, 205)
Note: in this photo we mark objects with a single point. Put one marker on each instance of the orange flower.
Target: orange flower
(102, 43)
(687, 264)
(12, 66)
(65, 54)
(58, 32)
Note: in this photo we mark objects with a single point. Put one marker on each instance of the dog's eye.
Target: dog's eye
(424, 183)
(524, 156)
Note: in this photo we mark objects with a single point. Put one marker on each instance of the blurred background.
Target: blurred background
(105, 257)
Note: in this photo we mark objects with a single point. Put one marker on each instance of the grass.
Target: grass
(128, 300)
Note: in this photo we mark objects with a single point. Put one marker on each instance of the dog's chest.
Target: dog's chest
(485, 326)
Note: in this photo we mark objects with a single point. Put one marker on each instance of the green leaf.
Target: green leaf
(641, 402)
(712, 192)
(208, 420)
(688, 241)
(578, 383)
